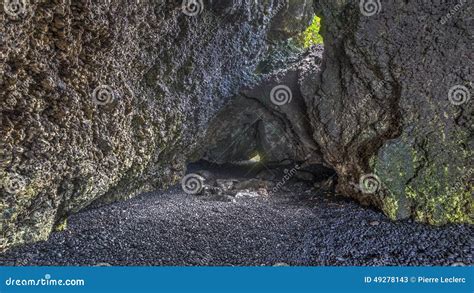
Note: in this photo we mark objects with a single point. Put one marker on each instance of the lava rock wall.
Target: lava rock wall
(101, 100)
(391, 109)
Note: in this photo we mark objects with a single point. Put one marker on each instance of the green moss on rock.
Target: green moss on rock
(390, 208)
(311, 35)
(61, 226)
(426, 179)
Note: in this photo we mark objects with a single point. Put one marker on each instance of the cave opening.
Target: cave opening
(261, 141)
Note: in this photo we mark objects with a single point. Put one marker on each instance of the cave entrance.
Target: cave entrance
(262, 140)
(257, 178)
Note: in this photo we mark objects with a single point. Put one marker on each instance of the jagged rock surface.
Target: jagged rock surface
(379, 109)
(161, 75)
(382, 106)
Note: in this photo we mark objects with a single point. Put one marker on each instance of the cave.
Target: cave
(261, 132)
(299, 126)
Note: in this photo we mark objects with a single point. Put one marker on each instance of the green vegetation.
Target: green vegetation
(61, 226)
(432, 189)
(311, 35)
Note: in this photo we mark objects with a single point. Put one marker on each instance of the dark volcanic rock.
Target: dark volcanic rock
(103, 100)
(385, 104)
(387, 108)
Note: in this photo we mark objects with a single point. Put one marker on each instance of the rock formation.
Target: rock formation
(388, 109)
(392, 105)
(105, 99)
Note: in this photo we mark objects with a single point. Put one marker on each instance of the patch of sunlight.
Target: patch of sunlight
(311, 35)
(255, 159)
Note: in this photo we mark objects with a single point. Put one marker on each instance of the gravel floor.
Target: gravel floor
(172, 228)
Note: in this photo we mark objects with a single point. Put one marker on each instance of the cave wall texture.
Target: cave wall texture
(102, 100)
(392, 105)
(105, 99)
